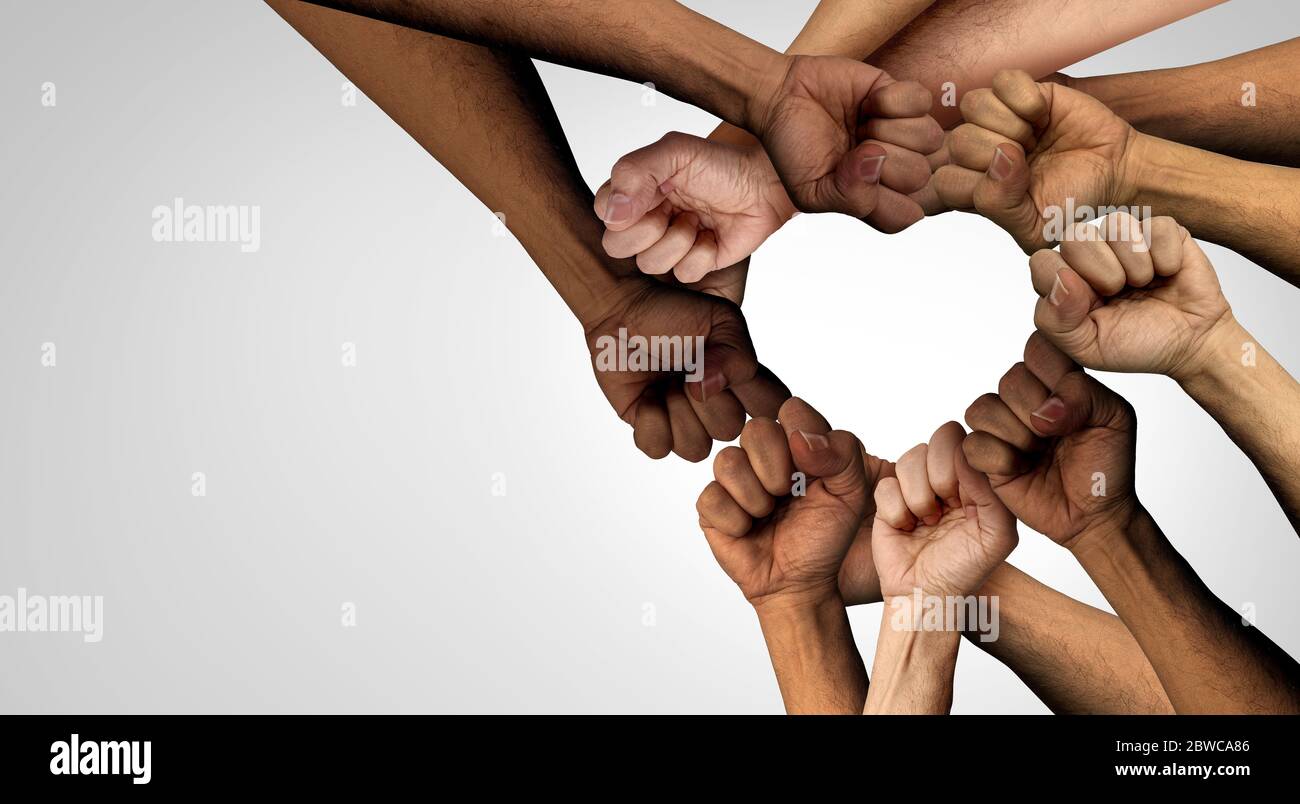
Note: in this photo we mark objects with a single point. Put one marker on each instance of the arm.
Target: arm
(913, 669)
(487, 118)
(817, 664)
(1076, 659)
(1245, 106)
(1207, 658)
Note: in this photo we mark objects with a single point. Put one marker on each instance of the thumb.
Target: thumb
(1002, 196)
(852, 188)
(1064, 314)
(636, 181)
(835, 458)
(728, 359)
(1079, 402)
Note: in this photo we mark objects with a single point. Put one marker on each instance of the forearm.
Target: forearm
(1251, 208)
(1076, 659)
(1246, 106)
(487, 118)
(1257, 403)
(966, 42)
(1208, 660)
(913, 669)
(817, 664)
(685, 54)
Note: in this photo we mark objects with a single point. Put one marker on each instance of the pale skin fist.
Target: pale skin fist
(1057, 446)
(691, 205)
(776, 544)
(939, 527)
(1129, 295)
(1026, 147)
(667, 412)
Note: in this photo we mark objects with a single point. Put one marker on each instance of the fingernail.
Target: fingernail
(815, 442)
(1000, 167)
(869, 168)
(1059, 292)
(1050, 411)
(618, 208)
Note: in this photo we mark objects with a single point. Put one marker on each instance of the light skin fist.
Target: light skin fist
(1130, 295)
(1028, 147)
(836, 136)
(779, 535)
(939, 527)
(1058, 446)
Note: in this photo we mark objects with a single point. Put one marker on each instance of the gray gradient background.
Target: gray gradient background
(372, 484)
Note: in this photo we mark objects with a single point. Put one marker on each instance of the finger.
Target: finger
(890, 507)
(1045, 361)
(989, 414)
(651, 431)
(797, 415)
(836, 460)
(763, 395)
(720, 512)
(920, 134)
(1166, 244)
(1065, 316)
(894, 212)
(769, 453)
(897, 99)
(939, 462)
(636, 180)
(1002, 196)
(722, 415)
(1078, 401)
(690, 440)
(1044, 265)
(993, 456)
(983, 108)
(1022, 393)
(973, 147)
(1092, 258)
(955, 186)
(662, 256)
(1021, 94)
(700, 261)
(914, 478)
(976, 490)
(904, 171)
(854, 185)
(639, 235)
(1127, 239)
(731, 468)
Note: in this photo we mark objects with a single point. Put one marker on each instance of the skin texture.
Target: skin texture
(486, 117)
(1117, 304)
(725, 196)
(782, 538)
(939, 530)
(1202, 104)
(804, 109)
(1047, 440)
(1028, 148)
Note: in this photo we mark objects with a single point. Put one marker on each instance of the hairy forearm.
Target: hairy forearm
(1246, 106)
(487, 118)
(817, 664)
(1077, 659)
(913, 669)
(1208, 660)
(1257, 403)
(966, 42)
(685, 54)
(1251, 208)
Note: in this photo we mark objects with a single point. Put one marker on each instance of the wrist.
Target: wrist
(798, 605)
(1214, 363)
(764, 87)
(1109, 534)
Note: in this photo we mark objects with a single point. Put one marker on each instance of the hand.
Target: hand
(1057, 445)
(1140, 296)
(776, 543)
(681, 408)
(1028, 151)
(939, 527)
